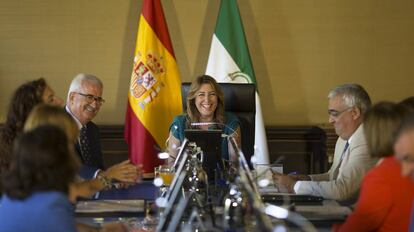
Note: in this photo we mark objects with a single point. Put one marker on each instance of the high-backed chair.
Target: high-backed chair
(239, 99)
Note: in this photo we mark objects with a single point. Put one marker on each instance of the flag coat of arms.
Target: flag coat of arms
(154, 96)
(229, 61)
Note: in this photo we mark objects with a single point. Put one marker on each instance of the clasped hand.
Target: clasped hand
(125, 172)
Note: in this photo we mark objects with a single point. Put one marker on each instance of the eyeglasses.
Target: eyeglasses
(91, 98)
(336, 114)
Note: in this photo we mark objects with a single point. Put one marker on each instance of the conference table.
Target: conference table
(124, 205)
(129, 206)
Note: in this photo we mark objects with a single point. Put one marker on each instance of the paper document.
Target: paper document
(268, 190)
(315, 212)
(100, 206)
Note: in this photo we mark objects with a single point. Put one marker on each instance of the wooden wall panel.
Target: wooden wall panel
(305, 148)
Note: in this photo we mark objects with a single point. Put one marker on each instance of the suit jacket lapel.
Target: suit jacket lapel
(337, 158)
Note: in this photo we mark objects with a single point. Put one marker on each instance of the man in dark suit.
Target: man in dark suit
(84, 101)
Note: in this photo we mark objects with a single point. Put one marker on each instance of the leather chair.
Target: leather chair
(240, 100)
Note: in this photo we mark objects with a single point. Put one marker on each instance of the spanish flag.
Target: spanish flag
(154, 96)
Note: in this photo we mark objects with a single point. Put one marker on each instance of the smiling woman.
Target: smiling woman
(205, 111)
(206, 102)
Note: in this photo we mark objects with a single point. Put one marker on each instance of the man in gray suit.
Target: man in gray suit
(346, 108)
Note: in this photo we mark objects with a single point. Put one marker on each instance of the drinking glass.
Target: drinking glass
(166, 174)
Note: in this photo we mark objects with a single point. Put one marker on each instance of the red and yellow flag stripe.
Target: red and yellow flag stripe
(154, 96)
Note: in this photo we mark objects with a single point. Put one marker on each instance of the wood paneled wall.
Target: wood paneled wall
(306, 149)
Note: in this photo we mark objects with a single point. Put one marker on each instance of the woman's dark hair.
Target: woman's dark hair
(22, 102)
(192, 112)
(408, 102)
(42, 160)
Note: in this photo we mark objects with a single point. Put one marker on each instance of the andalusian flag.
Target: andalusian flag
(154, 96)
(229, 61)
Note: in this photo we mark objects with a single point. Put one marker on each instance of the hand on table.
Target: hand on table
(301, 177)
(124, 172)
(122, 185)
(113, 227)
(285, 183)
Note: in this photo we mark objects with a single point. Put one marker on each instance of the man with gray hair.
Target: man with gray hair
(347, 105)
(83, 103)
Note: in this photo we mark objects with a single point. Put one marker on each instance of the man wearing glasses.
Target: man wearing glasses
(84, 101)
(347, 105)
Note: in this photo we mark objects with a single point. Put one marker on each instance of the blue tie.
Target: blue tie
(84, 147)
(343, 152)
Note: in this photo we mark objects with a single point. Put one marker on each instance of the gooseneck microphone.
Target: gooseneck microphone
(214, 124)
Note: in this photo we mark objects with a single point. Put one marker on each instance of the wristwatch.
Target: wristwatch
(106, 182)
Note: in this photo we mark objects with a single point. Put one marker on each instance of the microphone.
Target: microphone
(229, 137)
(214, 124)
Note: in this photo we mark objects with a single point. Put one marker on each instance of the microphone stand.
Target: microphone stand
(253, 196)
(263, 220)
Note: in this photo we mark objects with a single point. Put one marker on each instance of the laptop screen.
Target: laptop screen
(210, 143)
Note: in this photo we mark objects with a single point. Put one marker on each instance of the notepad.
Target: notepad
(101, 206)
(264, 172)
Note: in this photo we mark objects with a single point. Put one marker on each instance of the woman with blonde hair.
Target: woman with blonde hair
(47, 114)
(43, 114)
(39, 182)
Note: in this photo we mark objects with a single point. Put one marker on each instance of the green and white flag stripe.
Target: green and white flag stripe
(229, 61)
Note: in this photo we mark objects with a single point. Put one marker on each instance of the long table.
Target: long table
(121, 204)
(129, 202)
(141, 191)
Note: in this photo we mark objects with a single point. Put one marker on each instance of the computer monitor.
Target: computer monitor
(179, 156)
(177, 175)
(171, 204)
(210, 143)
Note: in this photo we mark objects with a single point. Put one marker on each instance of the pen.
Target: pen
(273, 171)
(292, 173)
